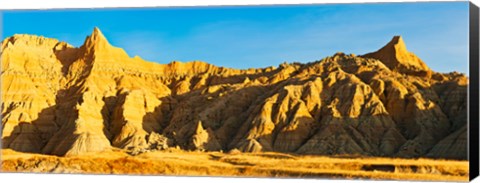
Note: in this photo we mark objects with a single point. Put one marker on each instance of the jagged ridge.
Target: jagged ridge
(62, 100)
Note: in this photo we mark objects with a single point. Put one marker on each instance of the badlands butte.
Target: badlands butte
(62, 100)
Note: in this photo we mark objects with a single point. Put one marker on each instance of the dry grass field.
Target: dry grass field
(176, 162)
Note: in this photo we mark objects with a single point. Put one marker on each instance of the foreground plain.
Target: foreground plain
(266, 164)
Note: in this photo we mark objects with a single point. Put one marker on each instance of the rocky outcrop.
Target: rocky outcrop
(62, 100)
(396, 57)
(131, 127)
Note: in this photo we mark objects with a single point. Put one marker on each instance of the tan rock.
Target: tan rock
(396, 57)
(204, 139)
(62, 100)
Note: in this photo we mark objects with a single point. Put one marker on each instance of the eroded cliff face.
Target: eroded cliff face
(62, 100)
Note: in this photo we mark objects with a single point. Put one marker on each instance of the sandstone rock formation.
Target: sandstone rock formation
(62, 100)
(396, 57)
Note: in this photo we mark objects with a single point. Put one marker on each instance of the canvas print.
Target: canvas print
(350, 91)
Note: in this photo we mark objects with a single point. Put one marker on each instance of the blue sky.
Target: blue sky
(261, 36)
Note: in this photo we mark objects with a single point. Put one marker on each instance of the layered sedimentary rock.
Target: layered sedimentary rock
(396, 57)
(62, 100)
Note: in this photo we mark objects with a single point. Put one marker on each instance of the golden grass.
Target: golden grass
(241, 164)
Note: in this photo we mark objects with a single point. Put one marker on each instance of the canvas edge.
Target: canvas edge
(473, 112)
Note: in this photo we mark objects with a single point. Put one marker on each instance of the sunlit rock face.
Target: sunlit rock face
(62, 100)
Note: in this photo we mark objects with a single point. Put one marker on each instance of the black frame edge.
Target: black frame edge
(473, 123)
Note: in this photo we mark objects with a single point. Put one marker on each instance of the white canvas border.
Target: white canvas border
(72, 178)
